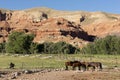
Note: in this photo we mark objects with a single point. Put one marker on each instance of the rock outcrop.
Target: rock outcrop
(5, 15)
(60, 29)
(77, 28)
(103, 29)
(4, 30)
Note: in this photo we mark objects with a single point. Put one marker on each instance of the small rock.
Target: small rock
(16, 74)
(27, 71)
(13, 77)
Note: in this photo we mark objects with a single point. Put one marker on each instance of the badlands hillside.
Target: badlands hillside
(75, 27)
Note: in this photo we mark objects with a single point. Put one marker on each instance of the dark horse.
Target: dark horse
(94, 65)
(74, 64)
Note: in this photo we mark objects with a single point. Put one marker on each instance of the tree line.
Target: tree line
(21, 43)
(108, 45)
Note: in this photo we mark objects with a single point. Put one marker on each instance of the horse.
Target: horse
(86, 64)
(70, 63)
(74, 64)
(94, 65)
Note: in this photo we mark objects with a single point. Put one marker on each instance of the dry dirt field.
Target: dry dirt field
(105, 74)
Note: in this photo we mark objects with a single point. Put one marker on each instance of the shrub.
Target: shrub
(107, 45)
(59, 47)
(19, 42)
(2, 47)
(53, 48)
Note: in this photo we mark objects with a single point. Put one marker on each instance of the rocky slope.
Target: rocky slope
(74, 27)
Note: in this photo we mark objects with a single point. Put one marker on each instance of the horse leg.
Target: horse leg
(73, 67)
(100, 67)
(79, 68)
(87, 67)
(83, 67)
(66, 68)
(93, 68)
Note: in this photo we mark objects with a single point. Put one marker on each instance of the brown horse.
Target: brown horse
(94, 65)
(74, 64)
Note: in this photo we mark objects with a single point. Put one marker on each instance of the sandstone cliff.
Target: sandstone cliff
(74, 27)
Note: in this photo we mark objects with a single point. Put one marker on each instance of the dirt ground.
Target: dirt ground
(105, 74)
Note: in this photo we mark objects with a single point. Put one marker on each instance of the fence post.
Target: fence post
(116, 63)
(22, 65)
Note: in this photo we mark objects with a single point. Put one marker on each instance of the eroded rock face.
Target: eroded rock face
(5, 16)
(2, 16)
(60, 29)
(103, 29)
(4, 30)
(77, 28)
(8, 15)
(45, 29)
(36, 16)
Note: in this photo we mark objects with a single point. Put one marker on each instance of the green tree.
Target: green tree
(34, 48)
(117, 46)
(107, 45)
(58, 48)
(19, 42)
(2, 47)
(46, 46)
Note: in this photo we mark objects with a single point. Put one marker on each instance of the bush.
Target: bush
(34, 48)
(19, 42)
(2, 47)
(107, 45)
(56, 48)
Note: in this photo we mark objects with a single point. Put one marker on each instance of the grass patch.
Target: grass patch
(54, 60)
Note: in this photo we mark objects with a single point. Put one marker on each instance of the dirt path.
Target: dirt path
(112, 74)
